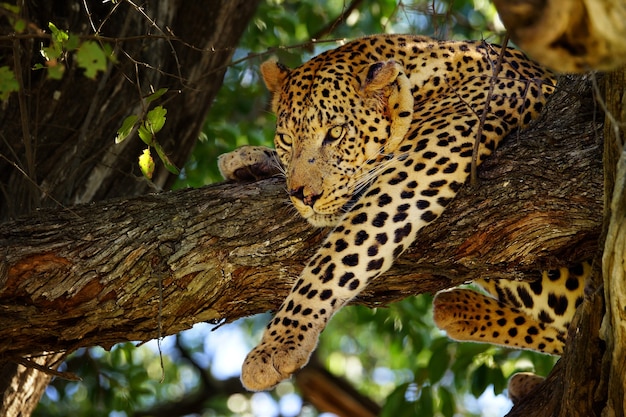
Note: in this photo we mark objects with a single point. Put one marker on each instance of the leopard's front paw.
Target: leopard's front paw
(249, 163)
(271, 362)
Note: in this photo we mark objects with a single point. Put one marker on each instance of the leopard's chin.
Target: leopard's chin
(324, 220)
(316, 218)
(332, 219)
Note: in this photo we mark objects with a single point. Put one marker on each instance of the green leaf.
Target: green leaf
(146, 164)
(10, 7)
(421, 375)
(158, 93)
(55, 69)
(145, 135)
(127, 126)
(466, 353)
(52, 52)
(438, 364)
(480, 380)
(425, 404)
(165, 159)
(448, 403)
(8, 83)
(91, 58)
(19, 25)
(72, 43)
(396, 403)
(496, 377)
(58, 35)
(155, 119)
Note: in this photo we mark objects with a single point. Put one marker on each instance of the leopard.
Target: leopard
(375, 138)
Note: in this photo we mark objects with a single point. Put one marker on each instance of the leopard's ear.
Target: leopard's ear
(274, 74)
(387, 83)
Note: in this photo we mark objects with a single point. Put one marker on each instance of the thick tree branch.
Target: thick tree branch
(90, 275)
(568, 35)
(56, 144)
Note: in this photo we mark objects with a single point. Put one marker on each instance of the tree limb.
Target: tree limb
(90, 275)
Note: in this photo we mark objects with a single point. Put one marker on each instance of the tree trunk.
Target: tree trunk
(589, 379)
(57, 146)
(61, 133)
(614, 257)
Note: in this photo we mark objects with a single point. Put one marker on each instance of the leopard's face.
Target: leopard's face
(333, 135)
(322, 165)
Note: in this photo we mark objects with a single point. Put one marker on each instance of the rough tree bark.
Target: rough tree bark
(133, 269)
(57, 146)
(614, 257)
(568, 35)
(589, 378)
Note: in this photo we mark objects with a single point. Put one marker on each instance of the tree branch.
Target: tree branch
(330, 27)
(90, 275)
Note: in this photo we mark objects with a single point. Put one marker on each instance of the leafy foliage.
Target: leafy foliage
(148, 124)
(91, 56)
(411, 367)
(8, 83)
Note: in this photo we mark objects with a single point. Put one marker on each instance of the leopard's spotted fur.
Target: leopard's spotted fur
(376, 137)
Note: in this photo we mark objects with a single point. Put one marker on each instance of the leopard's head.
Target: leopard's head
(336, 121)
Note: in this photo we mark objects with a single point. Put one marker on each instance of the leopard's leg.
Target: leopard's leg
(249, 163)
(525, 314)
(468, 315)
(551, 299)
(380, 226)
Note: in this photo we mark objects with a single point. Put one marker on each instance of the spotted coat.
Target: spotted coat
(375, 138)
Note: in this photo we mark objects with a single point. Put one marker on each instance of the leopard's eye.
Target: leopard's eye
(283, 144)
(334, 133)
(283, 139)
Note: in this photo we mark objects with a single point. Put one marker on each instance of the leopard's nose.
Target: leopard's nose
(305, 194)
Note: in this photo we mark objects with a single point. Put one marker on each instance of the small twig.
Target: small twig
(329, 28)
(106, 18)
(29, 179)
(483, 116)
(168, 39)
(160, 326)
(69, 376)
(93, 27)
(277, 48)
